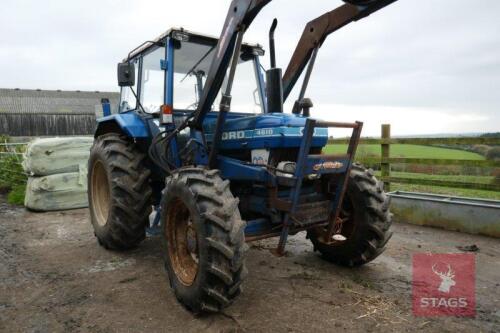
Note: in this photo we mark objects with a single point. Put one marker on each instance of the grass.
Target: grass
(453, 178)
(429, 152)
(457, 192)
(460, 192)
(12, 178)
(407, 151)
(16, 195)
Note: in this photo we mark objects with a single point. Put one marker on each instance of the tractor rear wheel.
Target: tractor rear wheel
(366, 222)
(203, 240)
(119, 192)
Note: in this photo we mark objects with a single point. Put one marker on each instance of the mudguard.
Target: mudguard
(130, 123)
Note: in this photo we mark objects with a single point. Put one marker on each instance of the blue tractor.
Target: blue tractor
(201, 138)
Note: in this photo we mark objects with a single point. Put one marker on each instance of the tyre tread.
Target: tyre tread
(376, 203)
(130, 192)
(225, 237)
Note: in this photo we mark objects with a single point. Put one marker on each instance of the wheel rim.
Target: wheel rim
(182, 240)
(101, 196)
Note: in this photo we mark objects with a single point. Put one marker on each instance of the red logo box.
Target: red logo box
(444, 285)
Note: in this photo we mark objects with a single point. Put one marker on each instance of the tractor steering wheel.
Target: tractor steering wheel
(193, 106)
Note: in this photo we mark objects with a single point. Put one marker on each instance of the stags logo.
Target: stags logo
(446, 279)
(444, 285)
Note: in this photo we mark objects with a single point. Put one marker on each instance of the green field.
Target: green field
(426, 152)
(407, 151)
(460, 192)
(453, 178)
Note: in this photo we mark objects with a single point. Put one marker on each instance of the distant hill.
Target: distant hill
(491, 135)
(442, 135)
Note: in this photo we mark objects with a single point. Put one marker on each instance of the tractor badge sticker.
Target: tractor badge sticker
(328, 166)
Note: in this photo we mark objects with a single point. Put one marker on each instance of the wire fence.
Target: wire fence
(11, 158)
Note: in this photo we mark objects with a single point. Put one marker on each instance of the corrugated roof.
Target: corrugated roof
(53, 101)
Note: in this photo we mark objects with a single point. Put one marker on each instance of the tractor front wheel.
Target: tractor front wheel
(365, 223)
(119, 192)
(203, 240)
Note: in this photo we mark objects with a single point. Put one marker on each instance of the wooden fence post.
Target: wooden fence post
(385, 166)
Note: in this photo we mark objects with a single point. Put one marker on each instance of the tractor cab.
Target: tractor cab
(172, 70)
(170, 73)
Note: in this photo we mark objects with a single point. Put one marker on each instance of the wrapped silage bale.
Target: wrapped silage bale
(57, 192)
(52, 156)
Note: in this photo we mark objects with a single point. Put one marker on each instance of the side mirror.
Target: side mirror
(126, 74)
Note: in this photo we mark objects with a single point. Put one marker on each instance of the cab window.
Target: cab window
(245, 93)
(152, 81)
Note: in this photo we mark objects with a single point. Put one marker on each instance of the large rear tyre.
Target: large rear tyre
(203, 240)
(119, 192)
(366, 222)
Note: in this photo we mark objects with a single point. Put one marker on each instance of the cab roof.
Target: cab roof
(182, 34)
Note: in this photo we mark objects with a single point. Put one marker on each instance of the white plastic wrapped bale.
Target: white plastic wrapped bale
(51, 156)
(57, 192)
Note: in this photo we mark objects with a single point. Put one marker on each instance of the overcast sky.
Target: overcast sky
(425, 66)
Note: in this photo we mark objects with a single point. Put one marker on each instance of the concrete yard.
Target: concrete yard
(55, 278)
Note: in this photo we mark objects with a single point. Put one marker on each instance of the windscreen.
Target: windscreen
(191, 65)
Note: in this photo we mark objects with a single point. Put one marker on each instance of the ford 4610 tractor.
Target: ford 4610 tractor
(201, 138)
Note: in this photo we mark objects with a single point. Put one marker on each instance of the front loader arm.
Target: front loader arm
(240, 16)
(318, 29)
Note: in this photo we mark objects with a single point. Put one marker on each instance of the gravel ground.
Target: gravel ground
(55, 278)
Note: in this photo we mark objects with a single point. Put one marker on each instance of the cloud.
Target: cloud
(405, 120)
(440, 59)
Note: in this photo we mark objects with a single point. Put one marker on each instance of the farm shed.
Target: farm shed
(50, 112)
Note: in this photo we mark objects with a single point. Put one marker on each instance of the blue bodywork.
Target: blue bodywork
(241, 131)
(244, 132)
(130, 123)
(241, 134)
(274, 130)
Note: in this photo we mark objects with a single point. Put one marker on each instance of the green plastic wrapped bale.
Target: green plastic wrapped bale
(51, 156)
(57, 192)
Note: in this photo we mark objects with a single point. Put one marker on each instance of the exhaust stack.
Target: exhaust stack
(274, 81)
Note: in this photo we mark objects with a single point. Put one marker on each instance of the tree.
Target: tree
(493, 154)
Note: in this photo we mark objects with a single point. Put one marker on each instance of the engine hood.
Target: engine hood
(273, 130)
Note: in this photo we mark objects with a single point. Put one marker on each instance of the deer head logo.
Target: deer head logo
(447, 280)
